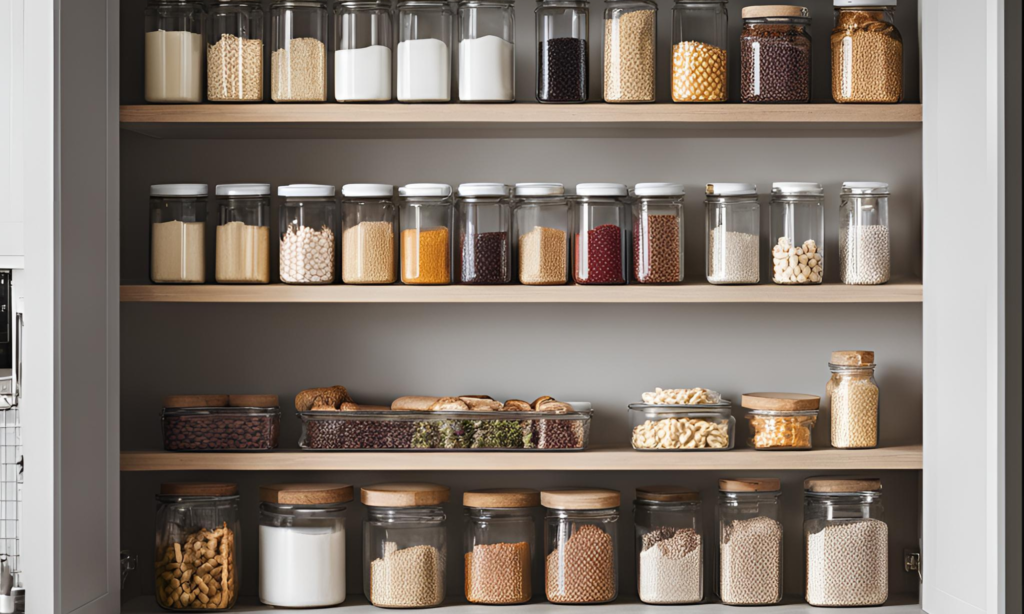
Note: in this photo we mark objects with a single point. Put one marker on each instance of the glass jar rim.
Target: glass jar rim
(841, 495)
(487, 3)
(850, 368)
(865, 188)
(386, 4)
(781, 413)
(861, 4)
(197, 498)
(780, 20)
(665, 504)
(312, 4)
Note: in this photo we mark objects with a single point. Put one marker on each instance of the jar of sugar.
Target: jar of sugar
(424, 50)
(363, 40)
(487, 51)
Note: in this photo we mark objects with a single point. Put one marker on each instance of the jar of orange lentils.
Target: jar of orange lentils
(427, 220)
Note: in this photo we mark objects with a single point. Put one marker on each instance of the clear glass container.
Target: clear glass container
(563, 67)
(234, 52)
(864, 256)
(734, 233)
(658, 233)
(630, 43)
(500, 544)
(775, 54)
(601, 233)
(177, 217)
(781, 420)
(485, 233)
(428, 222)
(220, 422)
(581, 545)
(748, 565)
(487, 51)
(298, 45)
(363, 46)
(700, 67)
(424, 50)
(682, 427)
(797, 233)
(243, 234)
(867, 52)
(847, 542)
(404, 544)
(669, 545)
(308, 228)
(854, 394)
(541, 212)
(369, 220)
(174, 51)
(197, 535)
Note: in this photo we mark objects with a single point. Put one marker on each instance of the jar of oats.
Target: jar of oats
(700, 70)
(541, 227)
(867, 52)
(749, 562)
(298, 46)
(308, 227)
(368, 234)
(500, 544)
(669, 545)
(854, 395)
(234, 51)
(630, 41)
(581, 545)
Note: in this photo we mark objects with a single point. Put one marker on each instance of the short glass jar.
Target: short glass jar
(177, 218)
(601, 233)
(734, 233)
(775, 54)
(563, 55)
(485, 233)
(630, 42)
(302, 544)
(867, 52)
(748, 567)
(781, 420)
(308, 229)
(424, 51)
(363, 41)
(658, 233)
(700, 67)
(797, 233)
(404, 544)
(500, 544)
(487, 51)
(541, 213)
(854, 395)
(298, 45)
(197, 528)
(581, 545)
(369, 218)
(174, 51)
(220, 422)
(234, 53)
(669, 545)
(428, 222)
(243, 234)
(682, 427)
(864, 252)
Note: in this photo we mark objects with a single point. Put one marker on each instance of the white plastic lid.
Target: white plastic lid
(305, 189)
(601, 189)
(368, 190)
(243, 189)
(483, 189)
(865, 187)
(797, 187)
(865, 3)
(659, 189)
(425, 189)
(540, 189)
(731, 189)
(179, 189)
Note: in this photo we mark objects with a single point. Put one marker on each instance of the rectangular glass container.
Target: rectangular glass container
(220, 429)
(697, 428)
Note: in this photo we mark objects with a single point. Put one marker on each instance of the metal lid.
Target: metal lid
(501, 497)
(404, 494)
(306, 494)
(306, 189)
(198, 489)
(780, 401)
(540, 189)
(483, 189)
(853, 358)
(601, 189)
(878, 188)
(243, 189)
(841, 485)
(580, 498)
(774, 10)
(750, 485)
(730, 189)
(368, 190)
(659, 189)
(796, 188)
(179, 189)
(667, 494)
(426, 189)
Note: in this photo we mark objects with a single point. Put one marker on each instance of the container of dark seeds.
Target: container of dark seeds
(220, 422)
(775, 54)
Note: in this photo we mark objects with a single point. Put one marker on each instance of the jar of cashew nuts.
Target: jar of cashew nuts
(781, 420)
(682, 427)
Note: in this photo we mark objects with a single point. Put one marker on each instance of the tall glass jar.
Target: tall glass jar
(363, 43)
(234, 52)
(630, 42)
(298, 45)
(864, 256)
(500, 544)
(485, 233)
(847, 542)
(487, 51)
(854, 394)
(669, 545)
(302, 544)
(563, 66)
(658, 233)
(424, 51)
(428, 223)
(734, 233)
(601, 233)
(748, 567)
(197, 533)
(369, 218)
(243, 234)
(308, 229)
(542, 234)
(775, 54)
(174, 51)
(404, 544)
(798, 233)
(700, 67)
(581, 545)
(177, 218)
(867, 52)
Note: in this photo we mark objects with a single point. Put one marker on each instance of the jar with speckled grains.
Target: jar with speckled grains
(581, 544)
(428, 222)
(368, 234)
(748, 562)
(485, 233)
(600, 234)
(542, 234)
(658, 233)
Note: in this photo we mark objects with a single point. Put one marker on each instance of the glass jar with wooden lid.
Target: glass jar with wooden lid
(867, 52)
(669, 545)
(781, 420)
(854, 396)
(581, 545)
(748, 564)
(775, 54)
(500, 544)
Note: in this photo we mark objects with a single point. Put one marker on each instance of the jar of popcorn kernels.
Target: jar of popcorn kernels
(700, 70)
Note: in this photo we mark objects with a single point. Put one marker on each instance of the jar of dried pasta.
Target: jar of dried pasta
(854, 395)
(867, 52)
(781, 420)
(700, 70)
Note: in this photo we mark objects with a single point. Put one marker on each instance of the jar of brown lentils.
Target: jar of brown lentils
(581, 545)
(867, 52)
(775, 54)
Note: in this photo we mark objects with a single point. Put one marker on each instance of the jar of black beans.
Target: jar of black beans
(562, 54)
(775, 54)
(485, 229)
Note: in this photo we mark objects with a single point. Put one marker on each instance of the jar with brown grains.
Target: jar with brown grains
(867, 52)
(234, 53)
(427, 216)
(177, 216)
(581, 545)
(630, 42)
(700, 68)
(658, 233)
(500, 544)
(775, 54)
(748, 566)
(298, 45)
(308, 227)
(854, 395)
(368, 234)
(542, 234)
(243, 234)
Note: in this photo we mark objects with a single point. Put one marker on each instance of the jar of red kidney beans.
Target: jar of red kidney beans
(775, 54)
(600, 239)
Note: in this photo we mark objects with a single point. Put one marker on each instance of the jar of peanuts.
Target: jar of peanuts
(669, 545)
(797, 233)
(428, 223)
(500, 544)
(854, 395)
(658, 233)
(601, 233)
(308, 230)
(541, 229)
(368, 247)
(581, 545)
(780, 420)
(700, 70)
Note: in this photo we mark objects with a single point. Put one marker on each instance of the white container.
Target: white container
(486, 51)
(424, 51)
(363, 39)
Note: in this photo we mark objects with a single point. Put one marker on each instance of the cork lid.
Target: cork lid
(853, 358)
(580, 498)
(501, 497)
(198, 489)
(667, 494)
(833, 484)
(306, 494)
(750, 485)
(253, 400)
(404, 494)
(181, 401)
(780, 401)
(774, 10)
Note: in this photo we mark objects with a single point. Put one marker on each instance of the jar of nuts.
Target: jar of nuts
(797, 233)
(581, 543)
(308, 230)
(682, 427)
(780, 420)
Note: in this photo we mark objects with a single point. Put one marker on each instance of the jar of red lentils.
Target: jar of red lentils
(600, 239)
(541, 213)
(500, 544)
(581, 545)
(658, 233)
(427, 218)
(485, 233)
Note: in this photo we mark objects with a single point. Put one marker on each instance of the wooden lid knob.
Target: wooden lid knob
(580, 498)
(667, 494)
(780, 401)
(853, 358)
(750, 485)
(404, 494)
(306, 494)
(501, 497)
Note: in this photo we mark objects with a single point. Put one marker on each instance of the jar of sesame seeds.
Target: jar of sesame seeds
(669, 545)
(485, 233)
(298, 51)
(775, 54)
(581, 545)
(428, 223)
(563, 54)
(797, 233)
(867, 52)
(601, 233)
(542, 234)
(854, 395)
(734, 233)
(234, 51)
(700, 69)
(174, 51)
(658, 233)
(500, 544)
(368, 247)
(864, 253)
(308, 229)
(630, 42)
(748, 562)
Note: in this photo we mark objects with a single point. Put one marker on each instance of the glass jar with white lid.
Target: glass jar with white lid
(369, 219)
(669, 545)
(797, 233)
(748, 565)
(581, 545)
(174, 50)
(243, 234)
(234, 52)
(734, 233)
(500, 544)
(600, 236)
(424, 50)
(542, 233)
(308, 230)
(864, 250)
(485, 232)
(177, 217)
(298, 45)
(427, 215)
(487, 51)
(658, 233)
(363, 43)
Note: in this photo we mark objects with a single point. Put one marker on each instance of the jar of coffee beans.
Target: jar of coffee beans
(563, 56)
(734, 233)
(581, 545)
(748, 565)
(542, 234)
(500, 544)
(485, 233)
(308, 229)
(867, 52)
(775, 54)
(700, 70)
(600, 240)
(864, 254)
(797, 233)
(220, 422)
(669, 545)
(658, 233)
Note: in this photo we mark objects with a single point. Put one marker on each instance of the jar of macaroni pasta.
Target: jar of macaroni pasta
(781, 420)
(424, 50)
(734, 233)
(174, 50)
(243, 233)
(748, 566)
(369, 219)
(428, 222)
(775, 54)
(854, 395)
(864, 251)
(669, 545)
(234, 53)
(500, 544)
(485, 233)
(363, 40)
(487, 51)
(298, 51)
(563, 55)
(601, 233)
(658, 233)
(542, 233)
(797, 233)
(308, 229)
(867, 52)
(700, 67)
(581, 545)
(177, 221)
(630, 44)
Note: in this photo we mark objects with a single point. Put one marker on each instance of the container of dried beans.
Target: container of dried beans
(601, 233)
(220, 422)
(500, 544)
(775, 54)
(781, 420)
(581, 543)
(669, 545)
(748, 565)
(682, 419)
(658, 233)
(854, 395)
(484, 211)
(308, 232)
(867, 52)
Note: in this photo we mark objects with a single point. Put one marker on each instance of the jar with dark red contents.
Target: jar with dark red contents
(775, 54)
(485, 233)
(600, 239)
(658, 233)
(220, 422)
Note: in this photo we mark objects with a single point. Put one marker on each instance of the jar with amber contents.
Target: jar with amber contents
(781, 420)
(867, 52)
(854, 399)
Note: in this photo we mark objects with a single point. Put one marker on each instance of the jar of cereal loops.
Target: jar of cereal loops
(749, 554)
(581, 545)
(700, 70)
(669, 545)
(854, 395)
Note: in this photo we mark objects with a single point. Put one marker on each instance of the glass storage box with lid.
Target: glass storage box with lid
(748, 565)
(541, 213)
(775, 54)
(368, 234)
(781, 420)
(700, 67)
(308, 228)
(847, 542)
(427, 219)
(485, 233)
(197, 528)
(682, 427)
(220, 422)
(600, 236)
(864, 256)
(854, 395)
(581, 545)
(734, 233)
(424, 50)
(243, 234)
(174, 51)
(797, 233)
(500, 538)
(563, 67)
(177, 217)
(669, 545)
(630, 41)
(298, 45)
(302, 544)
(363, 41)
(404, 544)
(867, 52)
(487, 51)
(658, 233)
(234, 54)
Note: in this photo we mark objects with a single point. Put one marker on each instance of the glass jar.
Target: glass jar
(669, 545)
(177, 217)
(363, 43)
(748, 567)
(485, 232)
(630, 40)
(404, 545)
(847, 542)
(864, 257)
(220, 422)
(798, 233)
(867, 52)
(563, 67)
(600, 239)
(542, 231)
(424, 51)
(197, 528)
(308, 227)
(428, 220)
(854, 395)
(243, 234)
(682, 427)
(174, 51)
(700, 67)
(298, 45)
(581, 545)
(734, 233)
(487, 51)
(775, 54)
(234, 54)
(500, 544)
(368, 234)
(302, 544)
(658, 233)
(781, 420)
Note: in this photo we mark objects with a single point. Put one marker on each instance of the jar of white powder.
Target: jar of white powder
(864, 253)
(734, 233)
(174, 51)
(487, 51)
(748, 565)
(424, 50)
(669, 545)
(177, 216)
(363, 42)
